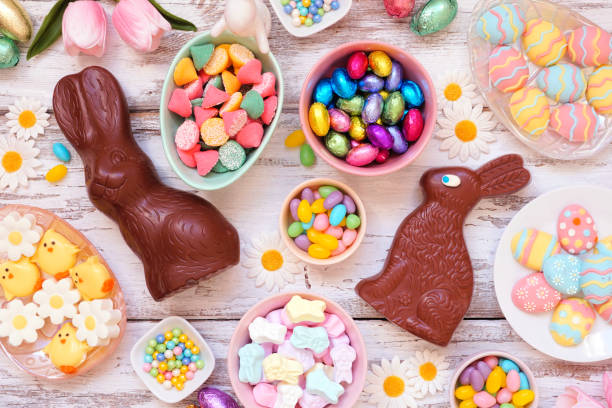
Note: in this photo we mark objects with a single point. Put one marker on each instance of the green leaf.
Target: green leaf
(50, 30)
(177, 23)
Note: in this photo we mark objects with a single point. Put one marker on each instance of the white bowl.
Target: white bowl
(328, 20)
(172, 395)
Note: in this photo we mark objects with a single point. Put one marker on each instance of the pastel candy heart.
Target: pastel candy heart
(300, 310)
(343, 356)
(262, 331)
(280, 368)
(305, 357)
(288, 395)
(318, 383)
(265, 394)
(251, 359)
(562, 272)
(314, 338)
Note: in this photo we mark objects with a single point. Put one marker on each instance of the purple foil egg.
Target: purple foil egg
(372, 108)
(362, 155)
(477, 380)
(307, 195)
(349, 204)
(379, 136)
(339, 120)
(334, 198)
(302, 242)
(371, 83)
(484, 369)
(400, 144)
(210, 397)
(394, 80)
(464, 378)
(293, 207)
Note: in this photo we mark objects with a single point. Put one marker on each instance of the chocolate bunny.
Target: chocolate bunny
(426, 283)
(179, 237)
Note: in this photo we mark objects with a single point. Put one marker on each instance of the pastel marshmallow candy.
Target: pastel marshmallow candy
(309, 400)
(343, 357)
(334, 326)
(251, 362)
(262, 331)
(288, 395)
(576, 229)
(305, 357)
(342, 339)
(318, 383)
(269, 348)
(275, 316)
(280, 368)
(314, 338)
(303, 310)
(265, 394)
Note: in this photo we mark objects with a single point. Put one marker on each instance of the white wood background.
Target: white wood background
(252, 205)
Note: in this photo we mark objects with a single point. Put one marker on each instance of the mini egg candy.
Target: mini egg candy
(352, 106)
(318, 118)
(323, 92)
(577, 122)
(412, 93)
(371, 83)
(576, 229)
(413, 125)
(508, 70)
(562, 83)
(393, 109)
(532, 294)
(379, 136)
(362, 155)
(530, 110)
(342, 84)
(56, 173)
(357, 128)
(543, 42)
(572, 320)
(61, 152)
(372, 108)
(596, 274)
(394, 80)
(400, 144)
(380, 63)
(599, 90)
(337, 143)
(589, 46)
(502, 24)
(339, 120)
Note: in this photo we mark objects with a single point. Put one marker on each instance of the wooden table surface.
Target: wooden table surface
(252, 205)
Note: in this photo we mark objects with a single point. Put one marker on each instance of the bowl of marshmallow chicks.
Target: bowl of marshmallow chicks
(297, 348)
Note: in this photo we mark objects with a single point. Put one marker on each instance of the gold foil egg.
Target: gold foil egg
(318, 117)
(357, 131)
(15, 22)
(380, 63)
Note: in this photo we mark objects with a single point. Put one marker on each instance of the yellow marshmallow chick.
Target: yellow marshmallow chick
(21, 278)
(92, 279)
(55, 254)
(65, 351)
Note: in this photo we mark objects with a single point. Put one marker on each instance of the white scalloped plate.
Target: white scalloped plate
(328, 20)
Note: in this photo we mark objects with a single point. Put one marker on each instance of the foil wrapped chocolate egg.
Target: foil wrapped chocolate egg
(372, 108)
(413, 96)
(413, 125)
(393, 108)
(357, 129)
(382, 156)
(9, 53)
(342, 84)
(362, 155)
(379, 136)
(394, 80)
(380, 63)
(337, 144)
(15, 22)
(434, 16)
(210, 397)
(323, 92)
(318, 118)
(400, 144)
(357, 65)
(371, 83)
(339, 120)
(352, 106)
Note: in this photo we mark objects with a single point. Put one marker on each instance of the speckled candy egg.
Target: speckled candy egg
(576, 229)
(532, 294)
(589, 46)
(577, 122)
(562, 82)
(543, 42)
(572, 320)
(502, 24)
(562, 272)
(357, 65)
(530, 110)
(508, 70)
(599, 89)
(596, 275)
(342, 84)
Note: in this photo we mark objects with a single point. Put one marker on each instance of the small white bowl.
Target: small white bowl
(328, 20)
(172, 395)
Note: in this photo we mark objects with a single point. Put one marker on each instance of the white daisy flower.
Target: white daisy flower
(97, 322)
(269, 261)
(27, 118)
(17, 161)
(465, 131)
(455, 87)
(20, 322)
(57, 299)
(427, 373)
(19, 235)
(387, 385)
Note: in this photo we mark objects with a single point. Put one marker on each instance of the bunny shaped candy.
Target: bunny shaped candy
(426, 283)
(246, 18)
(179, 237)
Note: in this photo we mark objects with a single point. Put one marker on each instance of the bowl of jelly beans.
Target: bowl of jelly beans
(172, 359)
(303, 18)
(493, 379)
(368, 108)
(322, 221)
(297, 348)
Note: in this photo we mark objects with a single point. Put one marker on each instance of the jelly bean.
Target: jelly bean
(61, 152)
(295, 138)
(323, 92)
(380, 63)
(341, 248)
(468, 404)
(495, 380)
(293, 207)
(342, 84)
(307, 157)
(394, 80)
(307, 195)
(56, 173)
(317, 205)
(335, 232)
(484, 400)
(337, 143)
(504, 395)
(339, 120)
(508, 365)
(318, 251)
(524, 381)
(326, 190)
(464, 378)
(302, 242)
(327, 241)
(372, 108)
(393, 109)
(491, 361)
(513, 381)
(477, 380)
(349, 203)
(295, 229)
(522, 397)
(321, 222)
(507, 405)
(348, 237)
(304, 211)
(357, 65)
(337, 214)
(333, 199)
(465, 392)
(318, 118)
(484, 368)
(371, 83)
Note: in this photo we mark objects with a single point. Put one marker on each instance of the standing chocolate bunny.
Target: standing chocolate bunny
(426, 283)
(179, 237)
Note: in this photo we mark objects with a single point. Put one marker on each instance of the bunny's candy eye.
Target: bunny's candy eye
(450, 180)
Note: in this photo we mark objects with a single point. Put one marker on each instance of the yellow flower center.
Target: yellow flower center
(394, 386)
(27, 119)
(19, 322)
(428, 371)
(56, 301)
(466, 130)
(15, 237)
(272, 260)
(11, 161)
(90, 322)
(452, 92)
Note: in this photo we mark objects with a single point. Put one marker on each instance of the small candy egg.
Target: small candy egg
(349, 203)
(394, 80)
(464, 378)
(318, 251)
(522, 398)
(400, 144)
(321, 222)
(342, 84)
(337, 144)
(434, 16)
(379, 136)
(524, 381)
(352, 106)
(333, 199)
(372, 108)
(484, 399)
(326, 190)
(335, 231)
(371, 83)
(504, 395)
(339, 120)
(380, 63)
(317, 206)
(295, 229)
(484, 368)
(513, 381)
(477, 380)
(413, 125)
(468, 404)
(362, 155)
(465, 392)
(491, 361)
(307, 156)
(61, 152)
(382, 156)
(304, 211)
(413, 96)
(508, 365)
(9, 53)
(348, 237)
(293, 207)
(495, 380)
(56, 173)
(302, 242)
(393, 109)
(318, 118)
(295, 138)
(341, 248)
(337, 214)
(576, 229)
(307, 195)
(357, 65)
(357, 128)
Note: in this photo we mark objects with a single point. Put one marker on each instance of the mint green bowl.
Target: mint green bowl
(170, 121)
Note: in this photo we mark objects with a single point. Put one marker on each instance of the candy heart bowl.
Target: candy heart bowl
(504, 363)
(348, 239)
(170, 121)
(241, 337)
(412, 71)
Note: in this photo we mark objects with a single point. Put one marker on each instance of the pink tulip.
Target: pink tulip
(139, 24)
(84, 28)
(574, 397)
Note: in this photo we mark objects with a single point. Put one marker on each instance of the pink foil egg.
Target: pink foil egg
(362, 155)
(413, 125)
(357, 65)
(339, 120)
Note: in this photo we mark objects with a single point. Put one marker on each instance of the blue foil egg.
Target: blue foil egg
(394, 80)
(342, 84)
(371, 83)
(372, 108)
(323, 92)
(400, 144)
(413, 96)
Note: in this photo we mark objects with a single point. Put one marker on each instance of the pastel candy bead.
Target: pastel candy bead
(502, 24)
(326, 241)
(572, 320)
(508, 365)
(543, 42)
(317, 383)
(465, 392)
(333, 325)
(314, 338)
(589, 46)
(342, 84)
(280, 368)
(524, 381)
(513, 382)
(357, 65)
(56, 173)
(309, 400)
(599, 89)
(530, 110)
(321, 222)
(562, 272)
(349, 203)
(508, 70)
(533, 294)
(477, 381)
(412, 94)
(251, 358)
(323, 92)
(265, 394)
(61, 152)
(577, 122)
(318, 118)
(380, 63)
(491, 361)
(495, 380)
(337, 214)
(483, 399)
(596, 274)
(262, 331)
(295, 138)
(299, 310)
(304, 356)
(333, 199)
(503, 396)
(562, 83)
(522, 398)
(531, 247)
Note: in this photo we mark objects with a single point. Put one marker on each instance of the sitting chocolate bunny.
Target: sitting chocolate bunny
(180, 237)
(426, 283)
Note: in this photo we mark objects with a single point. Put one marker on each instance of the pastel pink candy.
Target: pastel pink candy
(213, 97)
(342, 339)
(179, 103)
(205, 161)
(513, 381)
(335, 232)
(327, 358)
(317, 195)
(285, 320)
(348, 237)
(234, 121)
(186, 156)
(343, 356)
(250, 73)
(321, 222)
(484, 400)
(319, 356)
(203, 76)
(574, 397)
(267, 86)
(334, 326)
(195, 89)
(265, 394)
(187, 135)
(504, 395)
(250, 135)
(304, 356)
(309, 400)
(203, 114)
(491, 361)
(341, 248)
(275, 316)
(270, 104)
(268, 348)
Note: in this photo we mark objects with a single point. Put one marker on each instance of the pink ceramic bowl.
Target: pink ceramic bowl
(241, 337)
(454, 402)
(413, 70)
